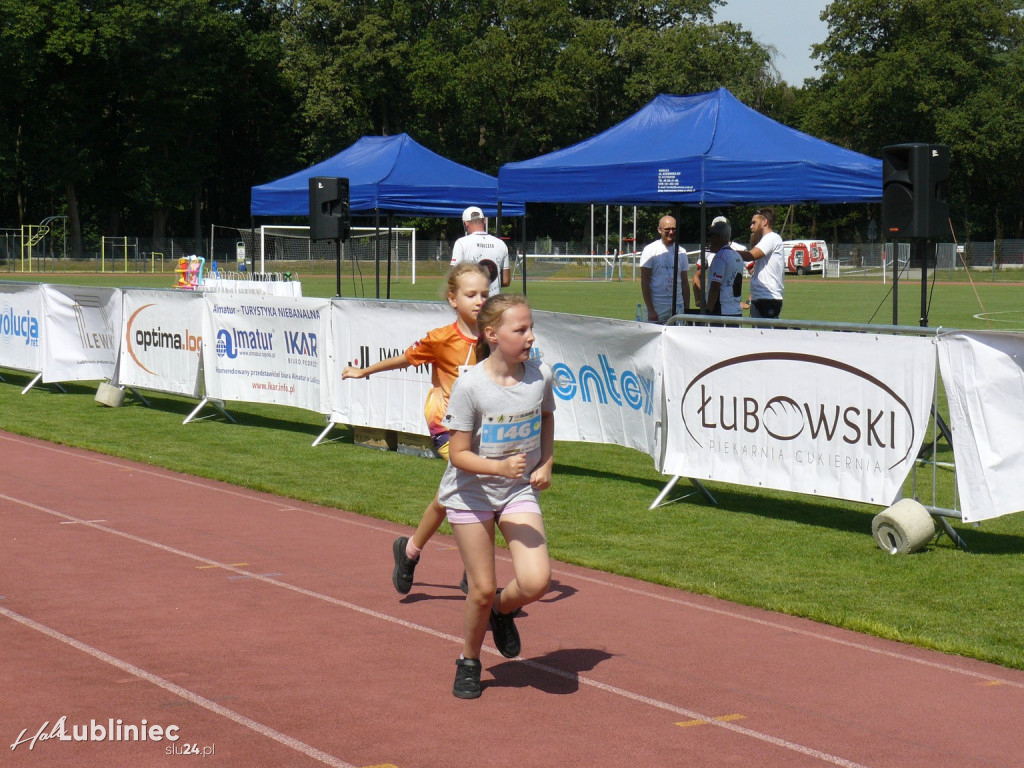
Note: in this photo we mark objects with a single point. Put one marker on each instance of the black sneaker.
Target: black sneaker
(506, 636)
(467, 678)
(464, 584)
(401, 577)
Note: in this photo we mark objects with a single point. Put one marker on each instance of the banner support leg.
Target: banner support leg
(322, 435)
(660, 500)
(218, 404)
(32, 383)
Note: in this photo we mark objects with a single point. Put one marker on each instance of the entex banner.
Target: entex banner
(983, 374)
(607, 380)
(81, 326)
(161, 341)
(264, 349)
(772, 409)
(21, 327)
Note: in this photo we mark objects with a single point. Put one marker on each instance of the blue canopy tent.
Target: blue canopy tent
(708, 148)
(387, 174)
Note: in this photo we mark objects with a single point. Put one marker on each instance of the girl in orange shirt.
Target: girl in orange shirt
(448, 349)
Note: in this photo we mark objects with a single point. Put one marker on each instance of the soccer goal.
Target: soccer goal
(543, 266)
(274, 248)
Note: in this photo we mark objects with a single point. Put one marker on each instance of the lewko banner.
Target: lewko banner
(983, 374)
(772, 409)
(81, 325)
(21, 327)
(161, 341)
(264, 349)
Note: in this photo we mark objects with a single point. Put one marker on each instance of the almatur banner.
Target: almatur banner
(265, 349)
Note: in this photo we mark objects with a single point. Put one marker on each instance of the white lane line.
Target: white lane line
(621, 692)
(991, 679)
(177, 690)
(252, 496)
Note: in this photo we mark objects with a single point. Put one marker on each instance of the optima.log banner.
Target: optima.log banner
(830, 414)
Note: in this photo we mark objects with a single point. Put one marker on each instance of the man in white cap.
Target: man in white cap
(482, 248)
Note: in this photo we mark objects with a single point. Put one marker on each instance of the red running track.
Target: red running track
(265, 632)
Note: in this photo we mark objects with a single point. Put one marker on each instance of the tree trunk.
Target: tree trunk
(160, 218)
(197, 217)
(74, 221)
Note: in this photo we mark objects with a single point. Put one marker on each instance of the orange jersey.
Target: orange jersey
(445, 349)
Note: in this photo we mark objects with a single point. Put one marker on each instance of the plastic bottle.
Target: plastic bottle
(639, 313)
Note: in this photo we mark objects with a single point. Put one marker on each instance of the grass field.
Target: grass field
(803, 555)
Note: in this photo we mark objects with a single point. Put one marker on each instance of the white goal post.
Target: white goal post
(277, 242)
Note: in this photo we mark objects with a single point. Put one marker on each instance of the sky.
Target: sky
(792, 26)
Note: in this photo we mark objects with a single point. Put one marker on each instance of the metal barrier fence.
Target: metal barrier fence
(994, 260)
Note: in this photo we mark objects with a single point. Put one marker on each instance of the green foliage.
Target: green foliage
(936, 71)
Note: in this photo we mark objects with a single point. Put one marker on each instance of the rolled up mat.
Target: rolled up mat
(904, 527)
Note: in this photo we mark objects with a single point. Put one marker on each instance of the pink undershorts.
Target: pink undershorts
(464, 516)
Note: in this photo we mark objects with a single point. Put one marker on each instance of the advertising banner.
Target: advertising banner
(774, 409)
(21, 326)
(366, 332)
(608, 382)
(983, 375)
(263, 349)
(81, 326)
(161, 341)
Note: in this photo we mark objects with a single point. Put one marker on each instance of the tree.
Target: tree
(935, 71)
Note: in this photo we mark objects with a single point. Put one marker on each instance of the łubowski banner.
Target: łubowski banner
(21, 326)
(263, 349)
(81, 325)
(836, 414)
(983, 374)
(161, 341)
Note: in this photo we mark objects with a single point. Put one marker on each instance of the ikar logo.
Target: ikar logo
(805, 400)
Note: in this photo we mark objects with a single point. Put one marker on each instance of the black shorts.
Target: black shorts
(766, 308)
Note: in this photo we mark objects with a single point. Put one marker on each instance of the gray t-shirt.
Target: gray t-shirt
(503, 421)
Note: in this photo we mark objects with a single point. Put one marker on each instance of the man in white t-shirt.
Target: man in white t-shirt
(657, 269)
(766, 283)
(725, 272)
(482, 248)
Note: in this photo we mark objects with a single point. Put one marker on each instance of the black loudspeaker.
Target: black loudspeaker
(914, 180)
(328, 208)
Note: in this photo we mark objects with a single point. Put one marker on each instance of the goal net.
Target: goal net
(540, 266)
(271, 248)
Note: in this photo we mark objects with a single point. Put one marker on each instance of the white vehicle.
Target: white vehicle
(803, 256)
